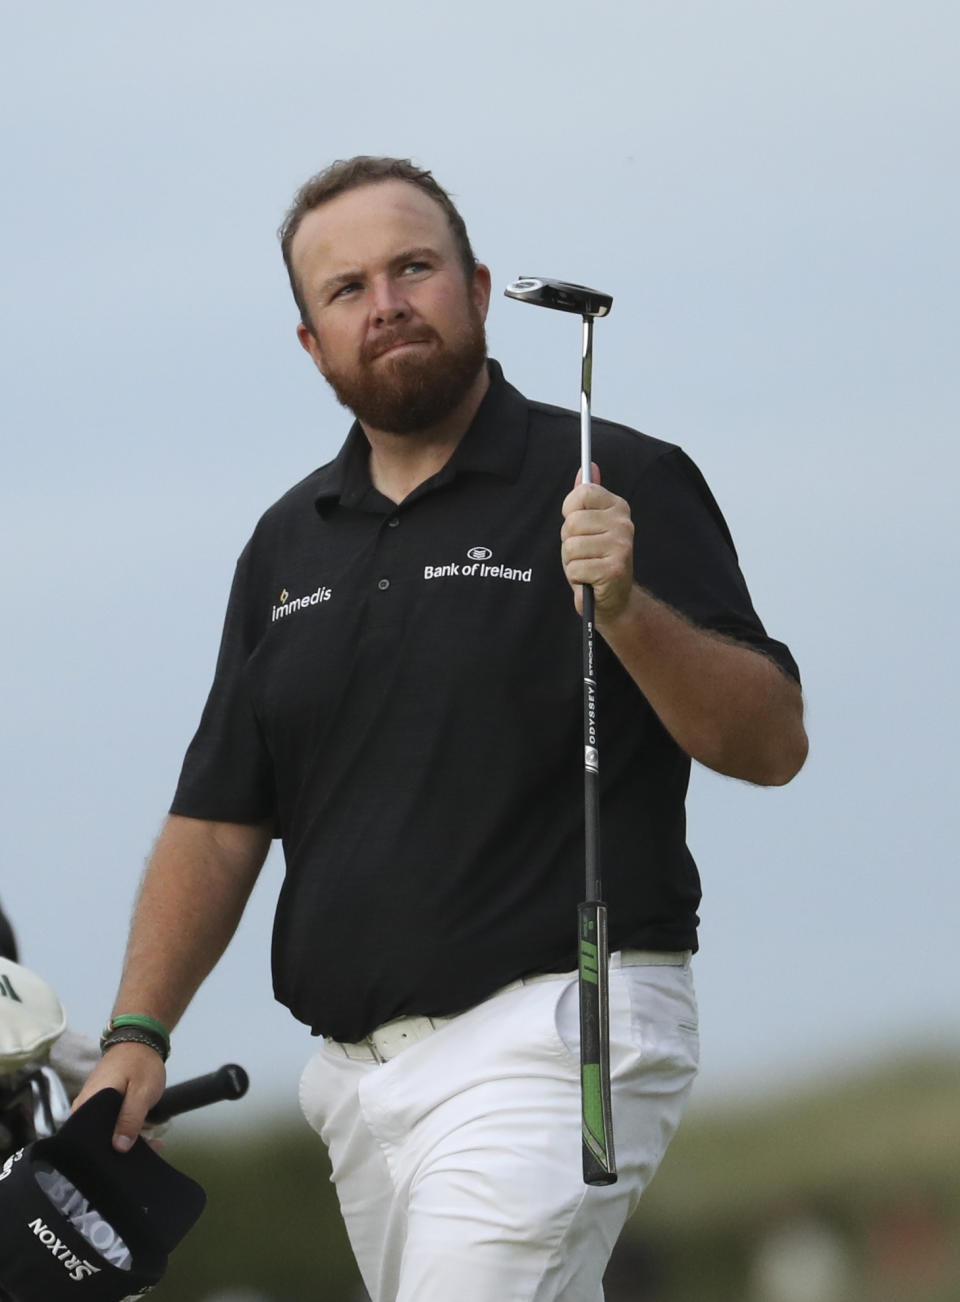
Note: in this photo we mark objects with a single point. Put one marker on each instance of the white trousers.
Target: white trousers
(457, 1163)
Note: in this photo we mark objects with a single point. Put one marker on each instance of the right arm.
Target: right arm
(193, 894)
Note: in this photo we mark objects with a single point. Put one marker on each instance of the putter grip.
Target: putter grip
(599, 1163)
(228, 1082)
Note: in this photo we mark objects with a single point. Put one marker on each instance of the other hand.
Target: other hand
(138, 1073)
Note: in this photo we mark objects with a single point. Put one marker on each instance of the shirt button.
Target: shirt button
(393, 521)
(383, 585)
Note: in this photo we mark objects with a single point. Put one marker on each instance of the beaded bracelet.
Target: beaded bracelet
(137, 1028)
(144, 1022)
(132, 1035)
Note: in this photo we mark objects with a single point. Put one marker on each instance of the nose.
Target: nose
(389, 306)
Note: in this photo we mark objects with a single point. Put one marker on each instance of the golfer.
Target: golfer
(398, 698)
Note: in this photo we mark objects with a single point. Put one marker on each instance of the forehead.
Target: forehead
(366, 227)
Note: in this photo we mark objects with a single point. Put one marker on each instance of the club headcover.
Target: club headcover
(79, 1220)
(31, 1016)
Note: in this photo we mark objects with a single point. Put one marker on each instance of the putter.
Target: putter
(599, 1163)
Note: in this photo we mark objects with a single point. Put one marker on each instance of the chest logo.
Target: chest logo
(476, 567)
(289, 605)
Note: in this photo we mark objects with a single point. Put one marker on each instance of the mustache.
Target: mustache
(383, 343)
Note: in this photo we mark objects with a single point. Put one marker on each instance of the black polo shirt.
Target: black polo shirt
(399, 687)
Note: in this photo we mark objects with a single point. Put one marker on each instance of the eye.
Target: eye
(412, 268)
(345, 291)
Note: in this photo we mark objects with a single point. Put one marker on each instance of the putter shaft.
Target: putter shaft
(599, 1163)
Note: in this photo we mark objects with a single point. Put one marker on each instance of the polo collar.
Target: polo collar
(494, 444)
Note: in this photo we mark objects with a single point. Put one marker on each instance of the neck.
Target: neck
(399, 463)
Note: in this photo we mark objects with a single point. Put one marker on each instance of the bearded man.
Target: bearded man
(398, 698)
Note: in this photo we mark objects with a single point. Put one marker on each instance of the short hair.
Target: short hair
(350, 174)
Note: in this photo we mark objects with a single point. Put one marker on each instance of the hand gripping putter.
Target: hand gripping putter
(599, 1164)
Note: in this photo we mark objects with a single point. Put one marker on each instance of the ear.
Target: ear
(308, 341)
(480, 289)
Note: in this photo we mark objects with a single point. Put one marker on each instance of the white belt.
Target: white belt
(389, 1039)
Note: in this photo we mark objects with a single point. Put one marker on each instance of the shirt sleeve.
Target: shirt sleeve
(685, 556)
(227, 773)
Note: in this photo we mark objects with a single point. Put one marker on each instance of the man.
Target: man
(398, 697)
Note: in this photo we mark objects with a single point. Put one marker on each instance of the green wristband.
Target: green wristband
(144, 1023)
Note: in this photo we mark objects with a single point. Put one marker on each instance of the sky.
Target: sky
(770, 192)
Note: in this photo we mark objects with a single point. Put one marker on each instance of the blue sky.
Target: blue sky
(770, 192)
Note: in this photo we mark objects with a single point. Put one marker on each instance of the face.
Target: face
(397, 327)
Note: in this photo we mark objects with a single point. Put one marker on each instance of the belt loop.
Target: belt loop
(375, 1052)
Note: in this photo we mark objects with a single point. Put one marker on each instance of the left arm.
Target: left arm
(725, 704)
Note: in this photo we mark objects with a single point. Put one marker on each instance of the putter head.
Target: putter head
(560, 295)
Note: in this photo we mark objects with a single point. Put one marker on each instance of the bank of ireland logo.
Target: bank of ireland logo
(478, 565)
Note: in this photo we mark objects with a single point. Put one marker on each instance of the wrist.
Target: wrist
(622, 614)
(136, 1028)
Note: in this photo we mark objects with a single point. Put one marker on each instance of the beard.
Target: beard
(412, 391)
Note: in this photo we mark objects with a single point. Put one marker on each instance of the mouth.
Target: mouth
(397, 346)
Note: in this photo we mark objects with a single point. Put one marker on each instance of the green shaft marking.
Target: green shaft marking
(589, 962)
(593, 1130)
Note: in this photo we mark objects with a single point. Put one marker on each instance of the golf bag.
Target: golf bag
(73, 1211)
